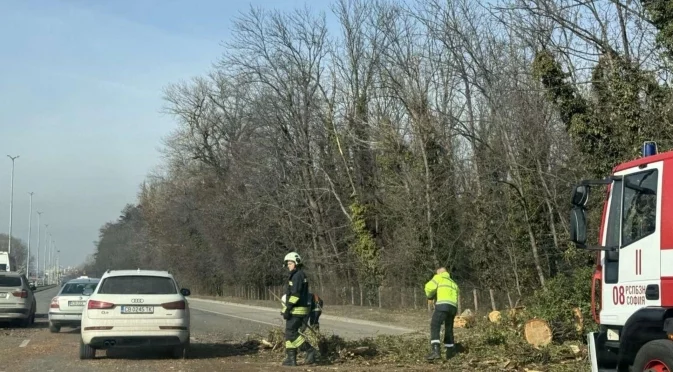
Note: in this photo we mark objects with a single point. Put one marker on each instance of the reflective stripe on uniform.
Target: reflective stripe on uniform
(296, 343)
(299, 310)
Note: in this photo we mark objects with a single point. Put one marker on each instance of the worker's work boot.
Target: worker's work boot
(450, 352)
(291, 357)
(435, 353)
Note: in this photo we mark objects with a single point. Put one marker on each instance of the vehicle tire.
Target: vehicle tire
(180, 352)
(54, 328)
(654, 356)
(86, 351)
(23, 323)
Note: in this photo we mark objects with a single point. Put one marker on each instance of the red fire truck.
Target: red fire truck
(632, 290)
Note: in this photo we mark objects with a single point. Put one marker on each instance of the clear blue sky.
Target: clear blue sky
(80, 98)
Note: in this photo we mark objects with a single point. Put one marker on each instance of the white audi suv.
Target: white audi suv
(136, 308)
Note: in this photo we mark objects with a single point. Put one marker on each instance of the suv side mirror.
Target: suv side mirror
(578, 227)
(580, 196)
(32, 287)
(87, 292)
(185, 292)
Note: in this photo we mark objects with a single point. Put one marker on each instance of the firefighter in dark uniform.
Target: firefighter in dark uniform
(296, 311)
(444, 291)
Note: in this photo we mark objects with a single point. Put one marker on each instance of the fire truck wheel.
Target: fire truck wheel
(654, 356)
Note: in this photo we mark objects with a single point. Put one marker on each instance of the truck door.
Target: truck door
(634, 225)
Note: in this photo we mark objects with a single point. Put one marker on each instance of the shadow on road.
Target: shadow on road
(214, 350)
(196, 351)
(39, 325)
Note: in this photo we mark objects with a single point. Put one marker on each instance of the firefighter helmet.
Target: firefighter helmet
(294, 257)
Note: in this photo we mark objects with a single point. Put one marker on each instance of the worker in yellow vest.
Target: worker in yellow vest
(444, 291)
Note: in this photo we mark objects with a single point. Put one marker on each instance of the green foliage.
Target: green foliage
(560, 91)
(625, 109)
(556, 303)
(661, 16)
(365, 247)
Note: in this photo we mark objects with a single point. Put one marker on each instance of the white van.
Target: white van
(6, 262)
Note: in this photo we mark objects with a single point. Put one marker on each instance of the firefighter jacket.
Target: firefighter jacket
(298, 300)
(444, 288)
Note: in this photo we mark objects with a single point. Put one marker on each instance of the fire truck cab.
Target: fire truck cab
(632, 288)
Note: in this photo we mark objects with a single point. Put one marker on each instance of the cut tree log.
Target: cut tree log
(538, 332)
(579, 320)
(494, 316)
(464, 320)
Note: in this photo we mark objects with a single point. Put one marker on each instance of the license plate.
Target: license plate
(137, 309)
(3, 295)
(76, 303)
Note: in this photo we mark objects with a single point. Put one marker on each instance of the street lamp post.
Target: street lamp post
(46, 247)
(37, 259)
(30, 225)
(51, 259)
(11, 205)
(58, 266)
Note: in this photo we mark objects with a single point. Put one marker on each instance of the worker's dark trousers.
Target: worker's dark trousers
(444, 313)
(294, 340)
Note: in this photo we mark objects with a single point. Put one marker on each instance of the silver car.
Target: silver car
(66, 308)
(17, 301)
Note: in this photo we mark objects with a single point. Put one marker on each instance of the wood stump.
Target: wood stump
(538, 332)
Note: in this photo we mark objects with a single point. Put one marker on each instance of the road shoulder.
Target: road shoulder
(323, 317)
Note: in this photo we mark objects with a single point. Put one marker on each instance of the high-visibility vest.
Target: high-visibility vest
(442, 286)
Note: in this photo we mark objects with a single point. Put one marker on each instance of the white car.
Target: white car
(66, 307)
(17, 301)
(136, 308)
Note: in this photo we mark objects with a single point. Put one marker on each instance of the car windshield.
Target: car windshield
(137, 284)
(10, 281)
(77, 288)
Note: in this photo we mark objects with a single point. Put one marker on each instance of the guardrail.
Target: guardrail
(44, 288)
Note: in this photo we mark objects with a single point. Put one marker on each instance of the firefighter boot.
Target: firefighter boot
(310, 353)
(291, 357)
(450, 352)
(435, 353)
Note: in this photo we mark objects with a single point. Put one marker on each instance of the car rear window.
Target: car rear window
(10, 281)
(77, 288)
(137, 284)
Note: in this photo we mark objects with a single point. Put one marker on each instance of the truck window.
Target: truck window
(639, 207)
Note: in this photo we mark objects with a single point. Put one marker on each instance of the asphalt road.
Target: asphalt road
(210, 314)
(217, 329)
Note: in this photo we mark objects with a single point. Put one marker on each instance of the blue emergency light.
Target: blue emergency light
(649, 148)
